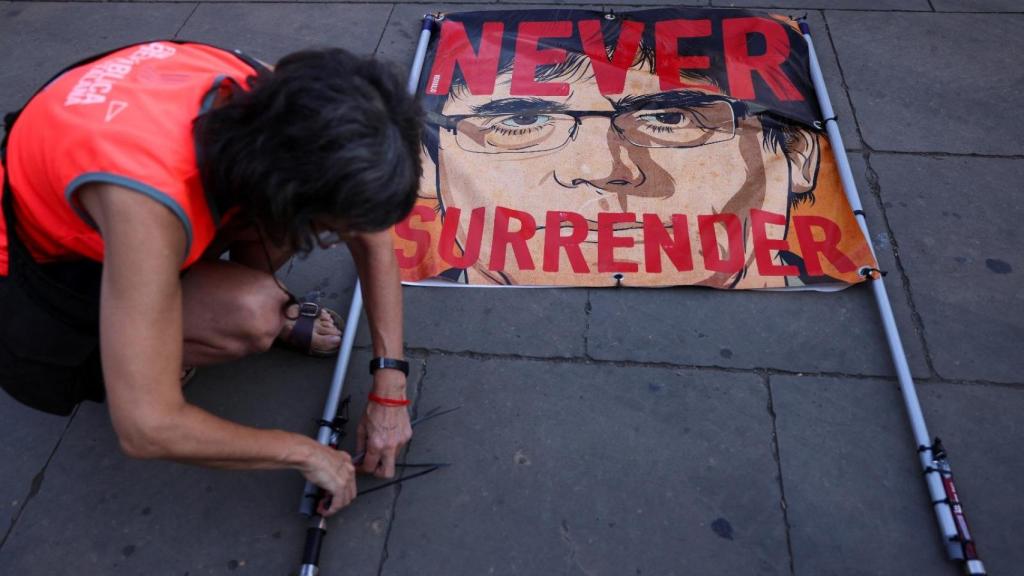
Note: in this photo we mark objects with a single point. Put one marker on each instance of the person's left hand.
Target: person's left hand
(383, 430)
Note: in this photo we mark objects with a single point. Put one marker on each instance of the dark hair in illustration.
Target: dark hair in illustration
(778, 132)
(328, 133)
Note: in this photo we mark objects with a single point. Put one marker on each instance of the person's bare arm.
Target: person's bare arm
(383, 430)
(141, 346)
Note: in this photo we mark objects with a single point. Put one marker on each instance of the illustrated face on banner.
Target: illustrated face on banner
(643, 152)
(626, 169)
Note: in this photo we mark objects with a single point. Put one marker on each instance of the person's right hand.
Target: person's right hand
(332, 471)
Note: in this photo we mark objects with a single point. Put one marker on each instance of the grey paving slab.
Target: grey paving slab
(29, 437)
(562, 468)
(978, 5)
(921, 5)
(273, 30)
(106, 514)
(523, 322)
(916, 89)
(39, 39)
(981, 429)
(855, 498)
(799, 331)
(956, 221)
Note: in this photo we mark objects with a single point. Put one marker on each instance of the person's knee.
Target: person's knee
(261, 308)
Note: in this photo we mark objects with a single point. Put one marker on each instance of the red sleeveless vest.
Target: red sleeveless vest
(125, 119)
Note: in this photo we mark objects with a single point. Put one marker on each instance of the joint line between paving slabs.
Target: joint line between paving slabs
(385, 29)
(766, 378)
(935, 154)
(187, 18)
(842, 78)
(37, 481)
(414, 352)
(876, 191)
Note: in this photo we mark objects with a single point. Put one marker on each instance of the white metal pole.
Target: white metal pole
(355, 310)
(922, 439)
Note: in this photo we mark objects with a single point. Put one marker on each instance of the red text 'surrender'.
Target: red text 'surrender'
(817, 236)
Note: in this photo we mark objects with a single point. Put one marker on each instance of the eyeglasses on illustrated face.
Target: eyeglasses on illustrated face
(538, 130)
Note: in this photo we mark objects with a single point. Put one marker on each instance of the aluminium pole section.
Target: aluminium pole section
(318, 529)
(954, 533)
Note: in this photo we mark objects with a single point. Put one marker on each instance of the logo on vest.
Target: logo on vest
(115, 108)
(97, 83)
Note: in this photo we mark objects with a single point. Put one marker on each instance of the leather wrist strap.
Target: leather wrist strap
(392, 363)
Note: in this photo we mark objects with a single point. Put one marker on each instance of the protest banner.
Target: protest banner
(651, 148)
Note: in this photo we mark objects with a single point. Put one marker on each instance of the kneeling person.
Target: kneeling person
(128, 177)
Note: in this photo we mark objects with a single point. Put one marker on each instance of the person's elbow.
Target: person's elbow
(148, 437)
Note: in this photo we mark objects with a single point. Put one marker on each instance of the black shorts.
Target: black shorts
(49, 334)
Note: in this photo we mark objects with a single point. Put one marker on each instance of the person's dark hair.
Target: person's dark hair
(326, 134)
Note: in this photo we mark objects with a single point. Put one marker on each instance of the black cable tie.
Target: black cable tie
(870, 273)
(399, 480)
(943, 501)
(433, 413)
(859, 213)
(929, 469)
(336, 427)
(834, 118)
(423, 465)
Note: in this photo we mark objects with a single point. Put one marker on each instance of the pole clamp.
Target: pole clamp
(337, 425)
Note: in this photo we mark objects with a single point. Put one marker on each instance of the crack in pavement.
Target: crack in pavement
(398, 488)
(778, 465)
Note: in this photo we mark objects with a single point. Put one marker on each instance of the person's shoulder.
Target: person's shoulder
(111, 205)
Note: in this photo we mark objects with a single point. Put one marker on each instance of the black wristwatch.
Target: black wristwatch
(393, 363)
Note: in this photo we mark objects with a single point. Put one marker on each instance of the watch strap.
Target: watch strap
(392, 363)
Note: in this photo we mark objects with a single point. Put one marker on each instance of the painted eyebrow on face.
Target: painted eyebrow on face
(519, 106)
(677, 99)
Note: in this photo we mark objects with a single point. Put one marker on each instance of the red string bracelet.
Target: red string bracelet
(389, 402)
